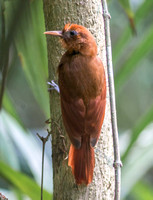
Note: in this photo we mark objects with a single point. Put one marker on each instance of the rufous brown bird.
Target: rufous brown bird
(82, 86)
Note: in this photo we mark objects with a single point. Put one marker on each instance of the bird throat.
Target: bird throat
(74, 52)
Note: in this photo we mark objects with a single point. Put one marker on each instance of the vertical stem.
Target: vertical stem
(44, 140)
(117, 162)
(42, 170)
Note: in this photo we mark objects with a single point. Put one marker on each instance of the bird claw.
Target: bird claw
(66, 158)
(54, 86)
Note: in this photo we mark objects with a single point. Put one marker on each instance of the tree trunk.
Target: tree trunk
(89, 14)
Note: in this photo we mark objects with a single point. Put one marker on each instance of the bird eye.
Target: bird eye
(72, 33)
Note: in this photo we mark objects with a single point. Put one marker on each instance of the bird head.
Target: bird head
(76, 38)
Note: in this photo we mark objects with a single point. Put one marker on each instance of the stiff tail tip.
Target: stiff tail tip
(82, 162)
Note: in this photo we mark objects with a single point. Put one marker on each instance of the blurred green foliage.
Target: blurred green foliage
(23, 52)
(22, 182)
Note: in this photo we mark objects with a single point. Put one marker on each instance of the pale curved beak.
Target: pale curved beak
(54, 33)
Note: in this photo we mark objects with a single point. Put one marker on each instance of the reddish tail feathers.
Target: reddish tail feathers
(82, 161)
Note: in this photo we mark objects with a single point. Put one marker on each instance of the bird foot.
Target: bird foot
(54, 86)
(66, 157)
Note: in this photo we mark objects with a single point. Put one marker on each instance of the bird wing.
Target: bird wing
(95, 116)
(73, 113)
(80, 119)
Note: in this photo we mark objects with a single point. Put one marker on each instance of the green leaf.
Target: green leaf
(138, 162)
(9, 107)
(11, 131)
(142, 191)
(22, 182)
(135, 57)
(31, 46)
(139, 127)
(140, 14)
(127, 8)
(7, 155)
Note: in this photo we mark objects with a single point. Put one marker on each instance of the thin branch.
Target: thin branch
(44, 140)
(117, 162)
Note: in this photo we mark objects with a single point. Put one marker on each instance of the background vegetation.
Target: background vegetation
(23, 62)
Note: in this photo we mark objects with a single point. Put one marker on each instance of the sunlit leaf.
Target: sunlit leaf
(139, 161)
(139, 127)
(7, 155)
(22, 182)
(142, 191)
(28, 147)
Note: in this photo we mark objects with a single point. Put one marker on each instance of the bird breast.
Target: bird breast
(80, 76)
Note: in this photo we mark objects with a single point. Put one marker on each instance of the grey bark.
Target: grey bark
(89, 14)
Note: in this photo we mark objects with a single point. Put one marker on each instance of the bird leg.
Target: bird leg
(54, 86)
